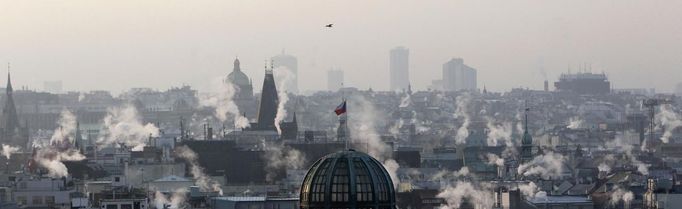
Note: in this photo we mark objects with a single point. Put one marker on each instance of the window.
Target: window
(117, 179)
(340, 181)
(126, 206)
(319, 182)
(112, 206)
(363, 183)
(37, 200)
(49, 200)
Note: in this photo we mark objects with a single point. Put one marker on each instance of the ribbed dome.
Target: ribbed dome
(237, 77)
(348, 180)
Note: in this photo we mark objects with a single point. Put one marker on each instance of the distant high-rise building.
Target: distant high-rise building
(458, 76)
(291, 63)
(583, 83)
(399, 68)
(678, 89)
(334, 80)
(54, 87)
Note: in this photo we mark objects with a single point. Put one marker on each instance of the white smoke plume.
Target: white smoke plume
(363, 122)
(529, 190)
(362, 125)
(575, 123)
(222, 101)
(52, 158)
(52, 155)
(405, 101)
(202, 180)
(462, 112)
(548, 166)
(621, 195)
(123, 126)
(493, 159)
(603, 167)
(176, 201)
(498, 134)
(284, 77)
(478, 195)
(668, 120)
(8, 150)
(618, 144)
(66, 128)
(279, 157)
(392, 169)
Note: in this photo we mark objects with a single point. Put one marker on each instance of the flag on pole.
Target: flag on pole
(341, 108)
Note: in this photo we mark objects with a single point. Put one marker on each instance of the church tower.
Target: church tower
(241, 82)
(12, 132)
(526, 142)
(269, 101)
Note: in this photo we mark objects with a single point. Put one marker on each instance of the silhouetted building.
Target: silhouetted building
(399, 68)
(241, 82)
(334, 80)
(342, 132)
(458, 76)
(583, 83)
(11, 131)
(291, 63)
(526, 142)
(347, 179)
(267, 110)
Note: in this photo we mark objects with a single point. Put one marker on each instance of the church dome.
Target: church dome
(237, 77)
(348, 180)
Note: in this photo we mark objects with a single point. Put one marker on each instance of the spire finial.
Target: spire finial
(526, 118)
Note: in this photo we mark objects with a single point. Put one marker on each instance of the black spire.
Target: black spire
(269, 102)
(10, 120)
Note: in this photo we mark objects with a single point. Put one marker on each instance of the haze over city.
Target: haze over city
(117, 45)
(340, 104)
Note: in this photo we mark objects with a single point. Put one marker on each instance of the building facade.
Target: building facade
(458, 76)
(399, 68)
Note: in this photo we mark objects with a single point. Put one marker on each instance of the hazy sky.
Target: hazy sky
(116, 45)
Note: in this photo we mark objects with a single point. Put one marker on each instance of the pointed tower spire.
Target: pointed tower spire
(9, 80)
(9, 120)
(527, 140)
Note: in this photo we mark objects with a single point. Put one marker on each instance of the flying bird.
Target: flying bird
(329, 25)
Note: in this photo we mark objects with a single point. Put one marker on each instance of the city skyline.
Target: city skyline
(175, 44)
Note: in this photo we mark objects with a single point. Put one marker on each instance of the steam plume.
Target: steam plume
(67, 127)
(8, 150)
(669, 120)
(123, 126)
(284, 77)
(621, 194)
(222, 101)
(463, 113)
(176, 200)
(202, 180)
(281, 157)
(548, 166)
(60, 148)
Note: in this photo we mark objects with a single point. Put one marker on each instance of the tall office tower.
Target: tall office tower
(291, 63)
(334, 80)
(398, 67)
(458, 76)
